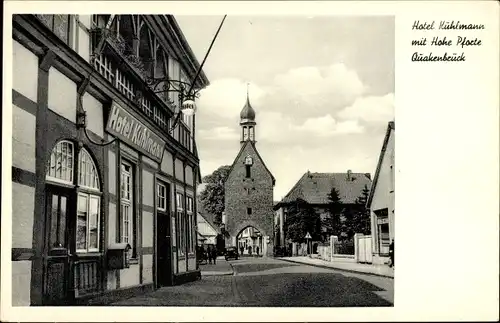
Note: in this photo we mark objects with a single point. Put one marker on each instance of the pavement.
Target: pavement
(377, 270)
(270, 282)
(220, 268)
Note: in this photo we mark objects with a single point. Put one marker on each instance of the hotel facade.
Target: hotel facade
(107, 209)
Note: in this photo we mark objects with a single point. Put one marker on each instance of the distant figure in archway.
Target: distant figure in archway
(242, 249)
(250, 250)
(257, 250)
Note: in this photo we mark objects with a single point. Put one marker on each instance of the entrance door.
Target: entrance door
(163, 250)
(57, 255)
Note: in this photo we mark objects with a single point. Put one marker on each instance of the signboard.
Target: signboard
(127, 128)
(382, 220)
(308, 236)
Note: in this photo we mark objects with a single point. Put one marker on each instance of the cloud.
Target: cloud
(219, 133)
(372, 109)
(226, 97)
(327, 126)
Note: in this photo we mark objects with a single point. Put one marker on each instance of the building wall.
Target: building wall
(260, 199)
(25, 95)
(52, 93)
(383, 193)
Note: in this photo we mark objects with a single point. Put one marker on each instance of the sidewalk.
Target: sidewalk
(378, 270)
(221, 268)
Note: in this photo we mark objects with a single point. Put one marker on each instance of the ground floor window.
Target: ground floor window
(384, 241)
(127, 214)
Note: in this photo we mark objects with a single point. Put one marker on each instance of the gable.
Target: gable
(249, 149)
(384, 179)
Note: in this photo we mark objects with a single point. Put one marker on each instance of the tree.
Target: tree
(360, 222)
(358, 219)
(212, 197)
(301, 219)
(333, 221)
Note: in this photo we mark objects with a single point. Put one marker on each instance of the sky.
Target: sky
(322, 88)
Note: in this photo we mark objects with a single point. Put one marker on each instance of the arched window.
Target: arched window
(60, 167)
(86, 187)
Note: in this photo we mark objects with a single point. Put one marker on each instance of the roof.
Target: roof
(204, 226)
(247, 113)
(249, 142)
(187, 51)
(315, 187)
(390, 127)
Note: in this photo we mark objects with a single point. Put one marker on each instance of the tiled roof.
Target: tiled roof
(315, 187)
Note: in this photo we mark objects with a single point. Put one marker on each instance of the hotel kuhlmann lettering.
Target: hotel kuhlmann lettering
(124, 125)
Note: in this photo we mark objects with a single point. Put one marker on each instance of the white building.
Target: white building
(381, 200)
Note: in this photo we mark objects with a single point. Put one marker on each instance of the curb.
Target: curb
(335, 268)
(216, 273)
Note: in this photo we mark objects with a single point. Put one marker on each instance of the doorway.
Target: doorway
(57, 264)
(163, 237)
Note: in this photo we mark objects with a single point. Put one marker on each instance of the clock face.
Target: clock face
(248, 160)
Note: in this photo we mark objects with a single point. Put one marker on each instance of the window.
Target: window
(249, 210)
(245, 133)
(182, 224)
(248, 169)
(88, 205)
(86, 185)
(127, 205)
(60, 167)
(161, 202)
(252, 137)
(173, 74)
(190, 234)
(58, 24)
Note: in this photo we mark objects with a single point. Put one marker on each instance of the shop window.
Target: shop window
(161, 201)
(127, 214)
(58, 24)
(182, 224)
(86, 187)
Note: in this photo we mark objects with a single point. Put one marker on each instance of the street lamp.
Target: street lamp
(186, 91)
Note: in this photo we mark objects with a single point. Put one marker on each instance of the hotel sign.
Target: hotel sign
(126, 127)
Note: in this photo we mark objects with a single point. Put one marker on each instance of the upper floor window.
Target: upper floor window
(58, 24)
(180, 201)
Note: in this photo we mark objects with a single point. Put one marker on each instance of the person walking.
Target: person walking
(209, 254)
(242, 249)
(391, 253)
(257, 250)
(214, 254)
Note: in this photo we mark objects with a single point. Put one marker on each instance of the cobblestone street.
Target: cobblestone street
(274, 283)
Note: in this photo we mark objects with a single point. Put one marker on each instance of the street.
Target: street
(271, 282)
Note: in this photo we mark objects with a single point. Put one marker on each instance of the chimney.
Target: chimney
(349, 172)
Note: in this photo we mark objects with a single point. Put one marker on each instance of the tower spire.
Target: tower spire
(248, 85)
